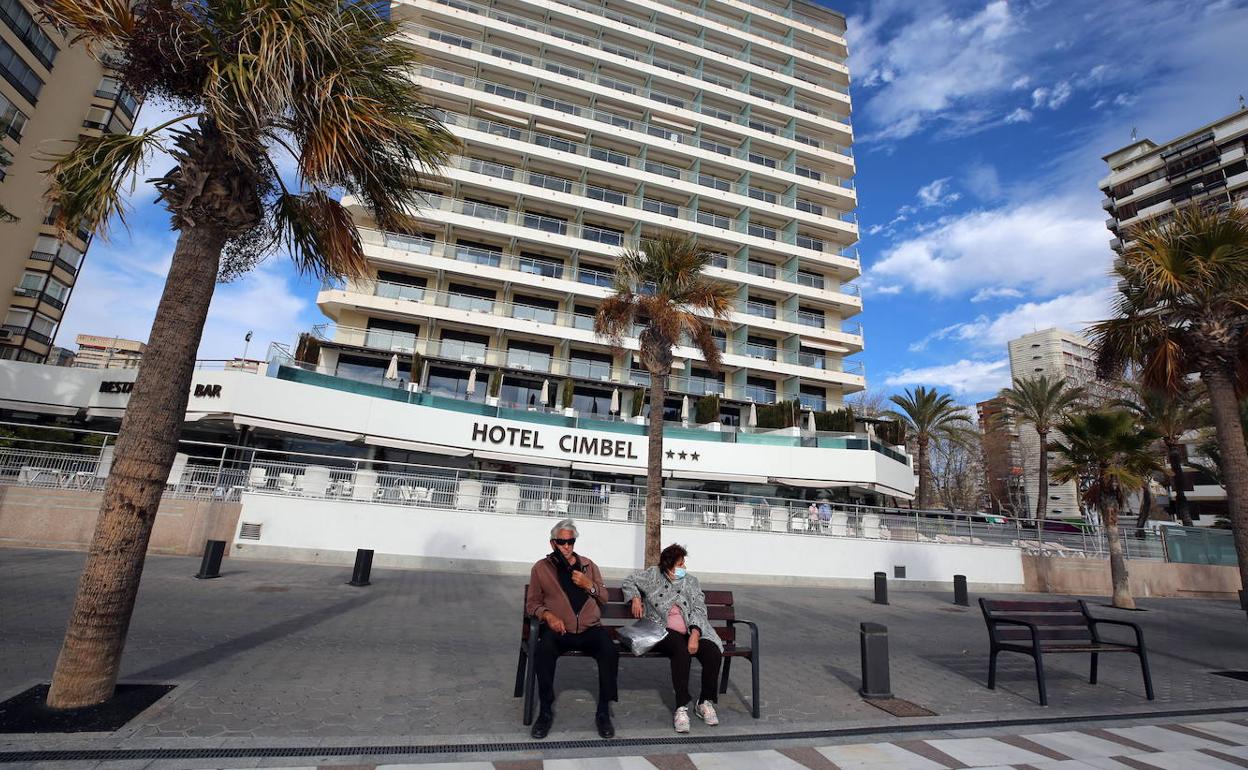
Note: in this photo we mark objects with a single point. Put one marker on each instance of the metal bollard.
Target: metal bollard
(873, 640)
(881, 588)
(960, 597)
(363, 566)
(1243, 599)
(210, 567)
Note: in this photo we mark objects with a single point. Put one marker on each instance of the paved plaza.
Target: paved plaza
(288, 655)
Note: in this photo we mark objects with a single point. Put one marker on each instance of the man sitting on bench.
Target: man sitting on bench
(566, 593)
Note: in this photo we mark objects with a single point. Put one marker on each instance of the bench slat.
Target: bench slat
(1007, 606)
(1046, 618)
(1019, 633)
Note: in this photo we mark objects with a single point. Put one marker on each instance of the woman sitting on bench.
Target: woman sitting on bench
(671, 597)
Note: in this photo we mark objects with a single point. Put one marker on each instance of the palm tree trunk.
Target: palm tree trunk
(87, 669)
(925, 474)
(1042, 505)
(654, 469)
(1117, 560)
(1234, 466)
(1178, 501)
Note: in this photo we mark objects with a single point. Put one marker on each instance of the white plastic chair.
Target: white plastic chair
(669, 515)
(316, 481)
(743, 516)
(176, 471)
(617, 506)
(507, 498)
(286, 482)
(104, 465)
(799, 524)
(708, 518)
(839, 525)
(257, 478)
(365, 486)
(870, 525)
(779, 519)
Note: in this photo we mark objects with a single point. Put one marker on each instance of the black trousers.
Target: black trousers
(595, 642)
(676, 647)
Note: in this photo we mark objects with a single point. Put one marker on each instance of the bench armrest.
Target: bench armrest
(993, 620)
(753, 632)
(1139, 633)
(535, 627)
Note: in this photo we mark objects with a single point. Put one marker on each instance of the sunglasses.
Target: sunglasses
(564, 541)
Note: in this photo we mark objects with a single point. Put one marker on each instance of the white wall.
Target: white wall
(456, 536)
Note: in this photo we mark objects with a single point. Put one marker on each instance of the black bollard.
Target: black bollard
(881, 588)
(210, 567)
(1243, 600)
(873, 639)
(959, 591)
(363, 566)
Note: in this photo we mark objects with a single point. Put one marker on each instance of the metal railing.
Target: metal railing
(225, 472)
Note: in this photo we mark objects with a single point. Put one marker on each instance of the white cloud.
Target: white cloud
(1045, 246)
(983, 181)
(1051, 98)
(966, 376)
(1020, 115)
(933, 193)
(122, 280)
(1020, 83)
(887, 289)
(983, 295)
(1074, 311)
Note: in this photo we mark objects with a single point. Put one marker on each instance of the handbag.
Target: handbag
(642, 636)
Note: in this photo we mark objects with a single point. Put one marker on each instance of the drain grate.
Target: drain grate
(261, 752)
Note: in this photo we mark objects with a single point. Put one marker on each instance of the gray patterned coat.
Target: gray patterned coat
(658, 594)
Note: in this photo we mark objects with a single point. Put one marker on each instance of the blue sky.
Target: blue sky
(980, 128)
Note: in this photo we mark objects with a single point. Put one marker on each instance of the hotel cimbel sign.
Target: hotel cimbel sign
(568, 443)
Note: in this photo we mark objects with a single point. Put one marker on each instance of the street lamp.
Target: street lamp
(246, 344)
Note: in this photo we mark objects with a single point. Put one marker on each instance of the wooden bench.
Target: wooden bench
(1055, 626)
(616, 613)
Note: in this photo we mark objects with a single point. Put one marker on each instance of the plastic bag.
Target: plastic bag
(642, 636)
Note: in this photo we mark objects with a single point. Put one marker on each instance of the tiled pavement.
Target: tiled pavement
(1200, 745)
(279, 654)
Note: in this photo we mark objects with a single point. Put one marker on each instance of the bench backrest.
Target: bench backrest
(616, 613)
(1056, 620)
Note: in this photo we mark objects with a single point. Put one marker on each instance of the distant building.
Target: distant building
(1147, 180)
(1003, 462)
(1054, 353)
(96, 352)
(61, 356)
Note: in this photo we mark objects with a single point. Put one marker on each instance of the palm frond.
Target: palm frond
(88, 184)
(98, 24)
(320, 235)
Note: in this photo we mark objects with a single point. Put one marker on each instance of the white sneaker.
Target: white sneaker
(706, 712)
(681, 720)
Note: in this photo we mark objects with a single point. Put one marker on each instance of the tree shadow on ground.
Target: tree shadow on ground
(195, 661)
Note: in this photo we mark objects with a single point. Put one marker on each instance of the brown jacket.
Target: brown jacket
(546, 595)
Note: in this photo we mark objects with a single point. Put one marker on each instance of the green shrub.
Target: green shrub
(639, 399)
(568, 388)
(838, 420)
(707, 410)
(496, 383)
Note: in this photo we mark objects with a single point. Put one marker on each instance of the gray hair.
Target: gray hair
(567, 524)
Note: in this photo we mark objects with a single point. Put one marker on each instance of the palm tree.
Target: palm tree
(1042, 402)
(929, 412)
(661, 286)
(1182, 308)
(325, 82)
(1107, 446)
(1170, 416)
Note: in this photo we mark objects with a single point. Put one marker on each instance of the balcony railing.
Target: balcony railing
(689, 40)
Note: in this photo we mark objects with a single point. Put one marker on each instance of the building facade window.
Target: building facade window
(19, 74)
(28, 31)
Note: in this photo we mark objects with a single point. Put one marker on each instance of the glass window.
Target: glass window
(534, 264)
(362, 369)
(452, 382)
(71, 255)
(605, 194)
(591, 401)
(19, 74)
(12, 120)
(18, 317)
(32, 281)
(28, 31)
(41, 324)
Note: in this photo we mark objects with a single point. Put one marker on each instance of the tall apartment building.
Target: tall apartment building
(96, 352)
(1051, 353)
(588, 126)
(49, 92)
(1147, 180)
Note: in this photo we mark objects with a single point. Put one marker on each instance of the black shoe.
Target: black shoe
(541, 727)
(605, 728)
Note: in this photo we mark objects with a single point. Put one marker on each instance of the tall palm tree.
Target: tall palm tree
(929, 412)
(1041, 401)
(1182, 308)
(1107, 446)
(324, 82)
(661, 286)
(1170, 416)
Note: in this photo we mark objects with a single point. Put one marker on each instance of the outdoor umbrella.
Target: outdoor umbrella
(684, 409)
(472, 383)
(545, 392)
(753, 421)
(392, 371)
(810, 422)
(615, 401)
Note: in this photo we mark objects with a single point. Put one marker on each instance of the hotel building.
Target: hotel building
(1147, 180)
(587, 127)
(50, 93)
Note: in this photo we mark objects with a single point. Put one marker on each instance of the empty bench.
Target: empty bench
(617, 613)
(1037, 628)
